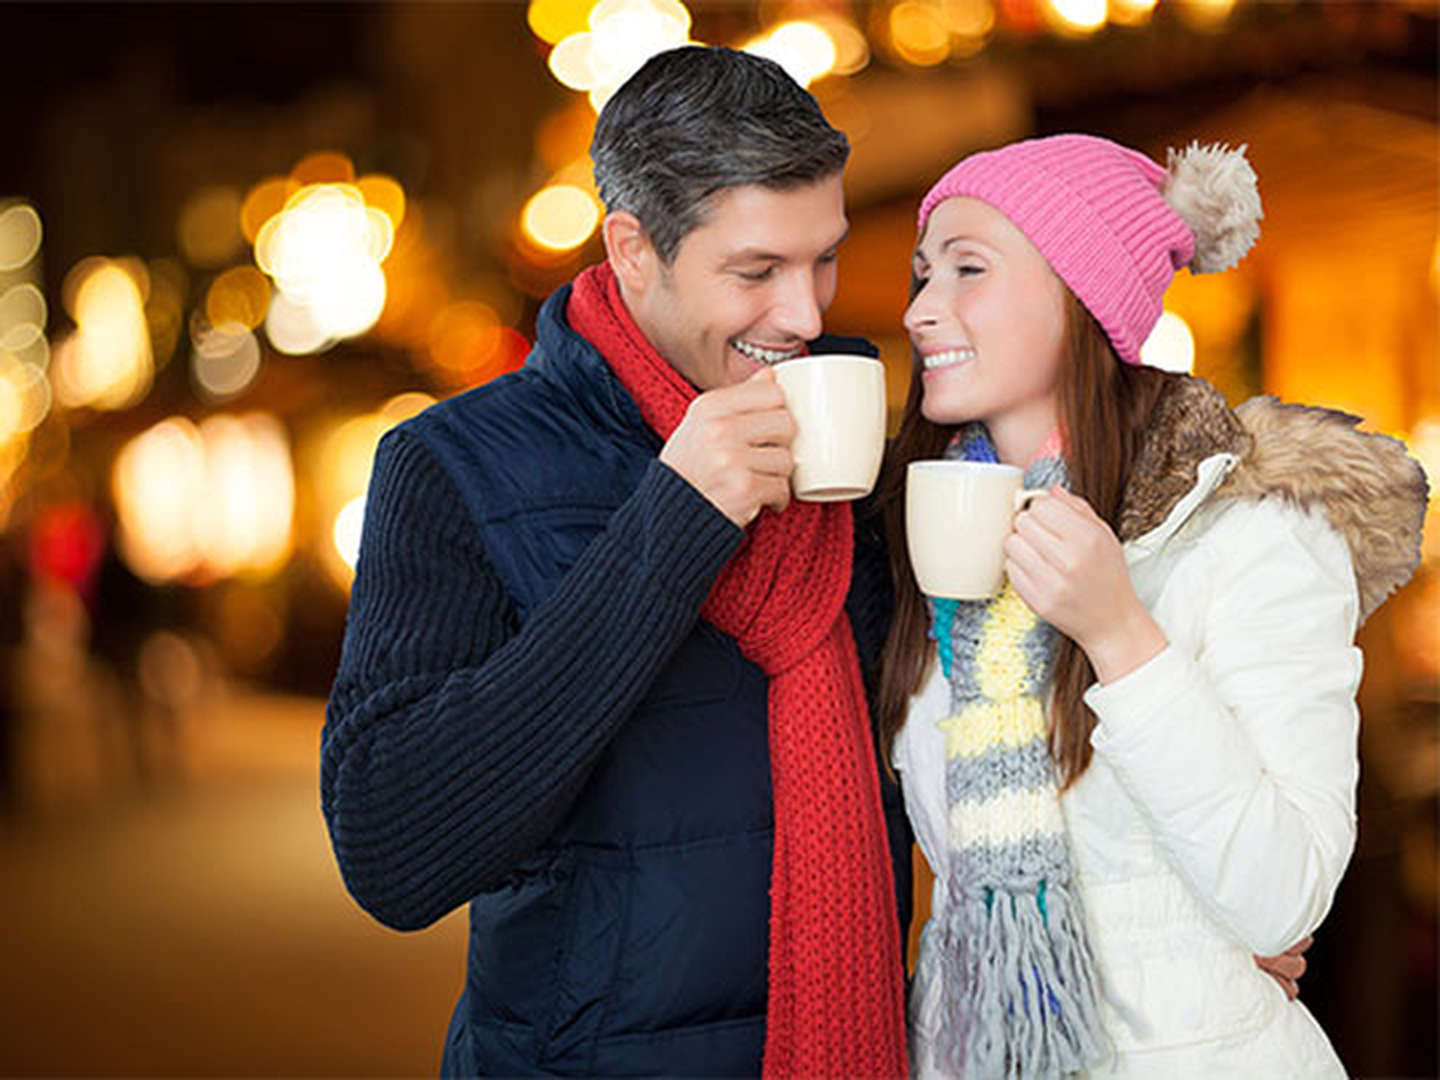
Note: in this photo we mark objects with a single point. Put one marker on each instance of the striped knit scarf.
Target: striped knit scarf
(1020, 990)
(835, 990)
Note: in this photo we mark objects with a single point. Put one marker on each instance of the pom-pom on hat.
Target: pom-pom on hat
(1113, 224)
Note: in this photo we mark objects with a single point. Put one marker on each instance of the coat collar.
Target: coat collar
(1197, 449)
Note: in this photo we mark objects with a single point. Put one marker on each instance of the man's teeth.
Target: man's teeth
(948, 357)
(763, 355)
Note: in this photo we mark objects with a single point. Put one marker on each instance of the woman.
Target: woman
(1122, 809)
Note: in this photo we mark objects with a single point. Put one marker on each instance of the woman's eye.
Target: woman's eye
(969, 269)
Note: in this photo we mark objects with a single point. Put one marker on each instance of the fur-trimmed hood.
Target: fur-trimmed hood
(1373, 493)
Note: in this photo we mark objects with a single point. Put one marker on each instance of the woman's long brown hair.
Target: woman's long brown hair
(1104, 406)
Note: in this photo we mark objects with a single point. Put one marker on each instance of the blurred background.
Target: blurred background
(238, 242)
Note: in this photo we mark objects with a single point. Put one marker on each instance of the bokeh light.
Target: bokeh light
(20, 235)
(1170, 346)
(385, 194)
(804, 49)
(165, 307)
(560, 217)
(209, 501)
(24, 396)
(1131, 12)
(970, 20)
(208, 231)
(224, 359)
(323, 167)
(292, 328)
(241, 294)
(402, 407)
(106, 362)
(27, 344)
(1076, 18)
(263, 202)
(346, 531)
(918, 33)
(623, 34)
(22, 305)
(1205, 14)
(554, 20)
(324, 252)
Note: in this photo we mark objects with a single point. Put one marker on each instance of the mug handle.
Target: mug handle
(1025, 496)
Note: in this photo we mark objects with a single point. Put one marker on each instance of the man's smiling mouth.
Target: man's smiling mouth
(762, 355)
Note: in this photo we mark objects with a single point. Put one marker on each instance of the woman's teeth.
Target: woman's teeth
(948, 357)
(762, 355)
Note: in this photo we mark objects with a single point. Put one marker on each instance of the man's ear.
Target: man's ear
(632, 256)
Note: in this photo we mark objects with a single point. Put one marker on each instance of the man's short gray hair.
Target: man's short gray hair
(697, 120)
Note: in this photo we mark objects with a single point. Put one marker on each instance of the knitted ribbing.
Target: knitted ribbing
(835, 997)
(1097, 212)
(1017, 975)
(446, 712)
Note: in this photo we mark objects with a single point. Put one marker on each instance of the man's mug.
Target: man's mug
(957, 516)
(838, 404)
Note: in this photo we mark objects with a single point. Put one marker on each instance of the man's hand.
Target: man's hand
(734, 447)
(1286, 968)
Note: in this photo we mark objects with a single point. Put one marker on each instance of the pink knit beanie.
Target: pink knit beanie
(1113, 224)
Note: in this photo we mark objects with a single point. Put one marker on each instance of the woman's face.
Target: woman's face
(988, 323)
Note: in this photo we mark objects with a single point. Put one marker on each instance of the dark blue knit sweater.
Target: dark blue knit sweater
(529, 717)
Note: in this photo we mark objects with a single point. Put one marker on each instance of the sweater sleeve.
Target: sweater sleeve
(457, 738)
(1238, 741)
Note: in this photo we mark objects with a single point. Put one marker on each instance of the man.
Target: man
(601, 681)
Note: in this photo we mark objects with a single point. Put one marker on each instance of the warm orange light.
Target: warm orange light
(1131, 12)
(106, 362)
(1076, 18)
(215, 500)
(560, 217)
(623, 34)
(239, 295)
(24, 396)
(264, 201)
(324, 252)
(804, 49)
(971, 20)
(208, 231)
(385, 194)
(554, 20)
(1170, 346)
(464, 336)
(919, 34)
(1206, 14)
(323, 167)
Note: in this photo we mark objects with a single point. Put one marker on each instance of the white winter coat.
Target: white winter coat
(1218, 813)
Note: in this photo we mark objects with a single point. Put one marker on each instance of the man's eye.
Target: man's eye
(756, 275)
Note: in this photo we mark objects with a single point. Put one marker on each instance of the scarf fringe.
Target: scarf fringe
(1024, 1002)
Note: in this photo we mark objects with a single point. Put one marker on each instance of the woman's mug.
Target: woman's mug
(957, 516)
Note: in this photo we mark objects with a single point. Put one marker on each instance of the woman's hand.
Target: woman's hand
(1068, 566)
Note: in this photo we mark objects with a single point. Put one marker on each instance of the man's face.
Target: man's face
(747, 287)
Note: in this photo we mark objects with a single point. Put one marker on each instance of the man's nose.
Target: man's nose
(800, 314)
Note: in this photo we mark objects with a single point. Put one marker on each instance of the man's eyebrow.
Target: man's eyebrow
(755, 253)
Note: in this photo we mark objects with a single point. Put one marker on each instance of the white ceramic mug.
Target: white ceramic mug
(957, 516)
(838, 404)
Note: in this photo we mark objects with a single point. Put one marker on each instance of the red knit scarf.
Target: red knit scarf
(835, 995)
